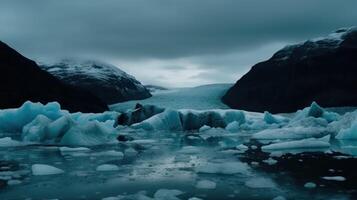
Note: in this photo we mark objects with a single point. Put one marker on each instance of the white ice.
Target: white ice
(42, 169)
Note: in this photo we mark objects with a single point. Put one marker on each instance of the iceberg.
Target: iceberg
(27, 113)
(184, 120)
(348, 133)
(48, 123)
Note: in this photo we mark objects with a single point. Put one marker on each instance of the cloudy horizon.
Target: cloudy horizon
(165, 42)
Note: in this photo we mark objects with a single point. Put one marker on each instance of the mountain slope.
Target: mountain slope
(322, 70)
(21, 79)
(106, 81)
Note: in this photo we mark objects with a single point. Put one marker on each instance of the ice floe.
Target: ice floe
(107, 167)
(42, 169)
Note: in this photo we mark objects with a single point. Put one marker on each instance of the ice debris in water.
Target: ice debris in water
(167, 194)
(299, 144)
(334, 178)
(71, 149)
(42, 169)
(206, 184)
(310, 185)
(107, 167)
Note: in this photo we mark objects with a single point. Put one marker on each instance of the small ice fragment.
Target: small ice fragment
(190, 150)
(13, 182)
(260, 183)
(310, 185)
(109, 153)
(334, 178)
(270, 161)
(107, 167)
(204, 128)
(42, 169)
(69, 149)
(166, 194)
(130, 152)
(242, 147)
(279, 198)
(206, 184)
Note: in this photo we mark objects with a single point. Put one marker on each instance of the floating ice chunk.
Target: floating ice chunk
(223, 168)
(166, 194)
(233, 127)
(290, 133)
(269, 118)
(206, 184)
(315, 110)
(130, 152)
(334, 178)
(310, 185)
(113, 153)
(298, 144)
(194, 198)
(107, 167)
(70, 149)
(14, 182)
(27, 113)
(190, 150)
(260, 182)
(190, 119)
(242, 147)
(8, 142)
(35, 131)
(167, 120)
(90, 133)
(42, 169)
(348, 133)
(270, 161)
(204, 128)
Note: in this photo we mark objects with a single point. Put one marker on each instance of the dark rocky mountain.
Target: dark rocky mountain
(322, 70)
(106, 81)
(21, 79)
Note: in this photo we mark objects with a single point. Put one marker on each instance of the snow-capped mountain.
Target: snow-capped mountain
(322, 70)
(106, 81)
(21, 80)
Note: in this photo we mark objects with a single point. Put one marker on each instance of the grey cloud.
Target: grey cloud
(165, 28)
(211, 34)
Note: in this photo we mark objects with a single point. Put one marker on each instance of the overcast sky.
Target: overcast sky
(165, 42)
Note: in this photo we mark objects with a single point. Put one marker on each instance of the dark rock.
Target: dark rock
(106, 81)
(124, 138)
(21, 79)
(322, 70)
